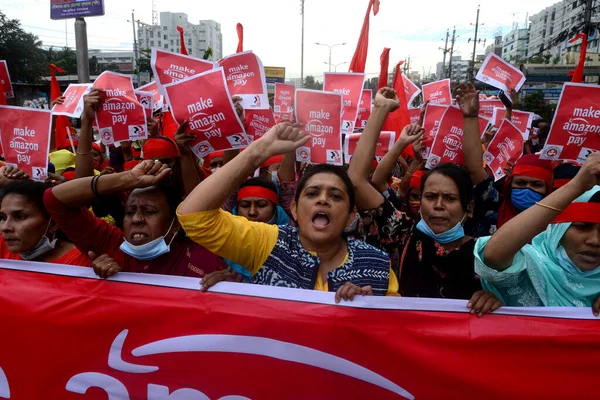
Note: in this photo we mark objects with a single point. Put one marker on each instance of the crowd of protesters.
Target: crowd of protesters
(259, 217)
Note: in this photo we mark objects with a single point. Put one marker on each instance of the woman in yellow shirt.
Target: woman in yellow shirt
(315, 255)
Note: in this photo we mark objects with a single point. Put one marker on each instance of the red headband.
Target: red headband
(415, 179)
(257, 191)
(273, 160)
(579, 212)
(533, 172)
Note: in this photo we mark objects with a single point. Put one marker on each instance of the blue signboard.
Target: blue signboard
(549, 93)
(63, 9)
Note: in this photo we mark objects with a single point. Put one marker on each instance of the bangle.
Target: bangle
(95, 186)
(549, 207)
(84, 154)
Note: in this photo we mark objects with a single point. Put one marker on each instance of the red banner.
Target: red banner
(120, 116)
(72, 106)
(431, 122)
(447, 145)
(350, 86)
(205, 102)
(575, 131)
(486, 107)
(410, 89)
(283, 103)
(320, 113)
(172, 67)
(364, 108)
(5, 83)
(505, 147)
(25, 137)
(521, 119)
(146, 99)
(258, 122)
(158, 99)
(245, 77)
(415, 114)
(384, 144)
(500, 74)
(438, 92)
(65, 336)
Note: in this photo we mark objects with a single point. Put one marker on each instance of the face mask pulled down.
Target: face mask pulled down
(150, 250)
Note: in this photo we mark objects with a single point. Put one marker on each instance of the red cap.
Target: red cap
(69, 174)
(96, 146)
(208, 158)
(160, 147)
(415, 179)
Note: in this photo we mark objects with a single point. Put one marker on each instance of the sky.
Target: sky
(272, 28)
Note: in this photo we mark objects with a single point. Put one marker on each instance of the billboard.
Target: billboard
(274, 75)
(63, 9)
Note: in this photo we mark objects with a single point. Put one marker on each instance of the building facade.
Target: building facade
(495, 47)
(123, 59)
(198, 38)
(514, 46)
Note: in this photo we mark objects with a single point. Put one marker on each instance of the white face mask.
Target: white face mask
(43, 246)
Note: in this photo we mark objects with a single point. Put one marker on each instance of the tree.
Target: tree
(108, 67)
(372, 83)
(22, 51)
(537, 59)
(144, 61)
(208, 53)
(93, 65)
(65, 59)
(535, 103)
(311, 83)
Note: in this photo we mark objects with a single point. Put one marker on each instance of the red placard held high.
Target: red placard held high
(438, 92)
(486, 107)
(5, 83)
(350, 86)
(172, 67)
(506, 147)
(283, 102)
(72, 106)
(521, 119)
(364, 108)
(258, 122)
(245, 77)
(384, 144)
(500, 74)
(431, 122)
(447, 145)
(410, 89)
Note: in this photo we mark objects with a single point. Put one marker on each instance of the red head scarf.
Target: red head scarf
(209, 157)
(531, 166)
(160, 147)
(273, 160)
(415, 179)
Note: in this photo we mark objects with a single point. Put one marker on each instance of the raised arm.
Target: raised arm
(84, 161)
(190, 175)
(520, 230)
(216, 189)
(467, 97)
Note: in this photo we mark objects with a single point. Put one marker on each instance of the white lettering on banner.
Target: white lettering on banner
(115, 93)
(316, 128)
(502, 74)
(453, 143)
(436, 94)
(206, 123)
(200, 105)
(342, 91)
(320, 114)
(584, 112)
(24, 132)
(178, 72)
(347, 103)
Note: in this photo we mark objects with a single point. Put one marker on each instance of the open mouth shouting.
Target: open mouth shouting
(321, 220)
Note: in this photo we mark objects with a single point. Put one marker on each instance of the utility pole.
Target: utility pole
(81, 48)
(472, 71)
(302, 50)
(135, 49)
(451, 53)
(445, 50)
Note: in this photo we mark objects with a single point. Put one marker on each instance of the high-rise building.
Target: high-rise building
(495, 47)
(198, 38)
(514, 46)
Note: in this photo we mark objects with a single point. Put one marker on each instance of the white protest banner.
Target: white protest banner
(350, 86)
(245, 76)
(500, 74)
(72, 106)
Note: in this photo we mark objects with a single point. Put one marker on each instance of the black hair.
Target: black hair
(33, 191)
(537, 122)
(327, 169)
(566, 171)
(595, 198)
(172, 192)
(459, 175)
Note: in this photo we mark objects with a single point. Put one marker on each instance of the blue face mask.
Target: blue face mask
(150, 250)
(449, 236)
(522, 199)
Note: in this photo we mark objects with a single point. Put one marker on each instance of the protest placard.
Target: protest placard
(447, 144)
(500, 74)
(364, 108)
(486, 107)
(258, 122)
(283, 102)
(245, 77)
(410, 89)
(320, 115)
(384, 144)
(204, 101)
(350, 86)
(120, 117)
(575, 131)
(172, 67)
(146, 99)
(437, 92)
(431, 122)
(5, 82)
(414, 114)
(521, 119)
(25, 138)
(72, 105)
(506, 147)
(158, 100)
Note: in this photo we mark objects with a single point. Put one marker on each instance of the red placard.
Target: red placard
(410, 89)
(283, 103)
(575, 131)
(146, 99)
(447, 145)
(72, 106)
(431, 122)
(258, 122)
(245, 77)
(364, 108)
(505, 147)
(73, 336)
(384, 144)
(120, 117)
(320, 114)
(205, 102)
(486, 107)
(25, 136)
(438, 92)
(5, 83)
(414, 114)
(172, 67)
(157, 99)
(500, 74)
(350, 86)
(521, 119)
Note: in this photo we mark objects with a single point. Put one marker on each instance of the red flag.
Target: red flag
(383, 72)
(360, 54)
(397, 120)
(62, 124)
(240, 33)
(182, 49)
(577, 73)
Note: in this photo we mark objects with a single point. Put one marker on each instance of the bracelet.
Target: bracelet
(548, 207)
(95, 186)
(84, 154)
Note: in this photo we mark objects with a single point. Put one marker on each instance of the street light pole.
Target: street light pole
(336, 65)
(330, 48)
(302, 51)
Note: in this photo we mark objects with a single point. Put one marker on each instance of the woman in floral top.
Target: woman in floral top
(433, 258)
